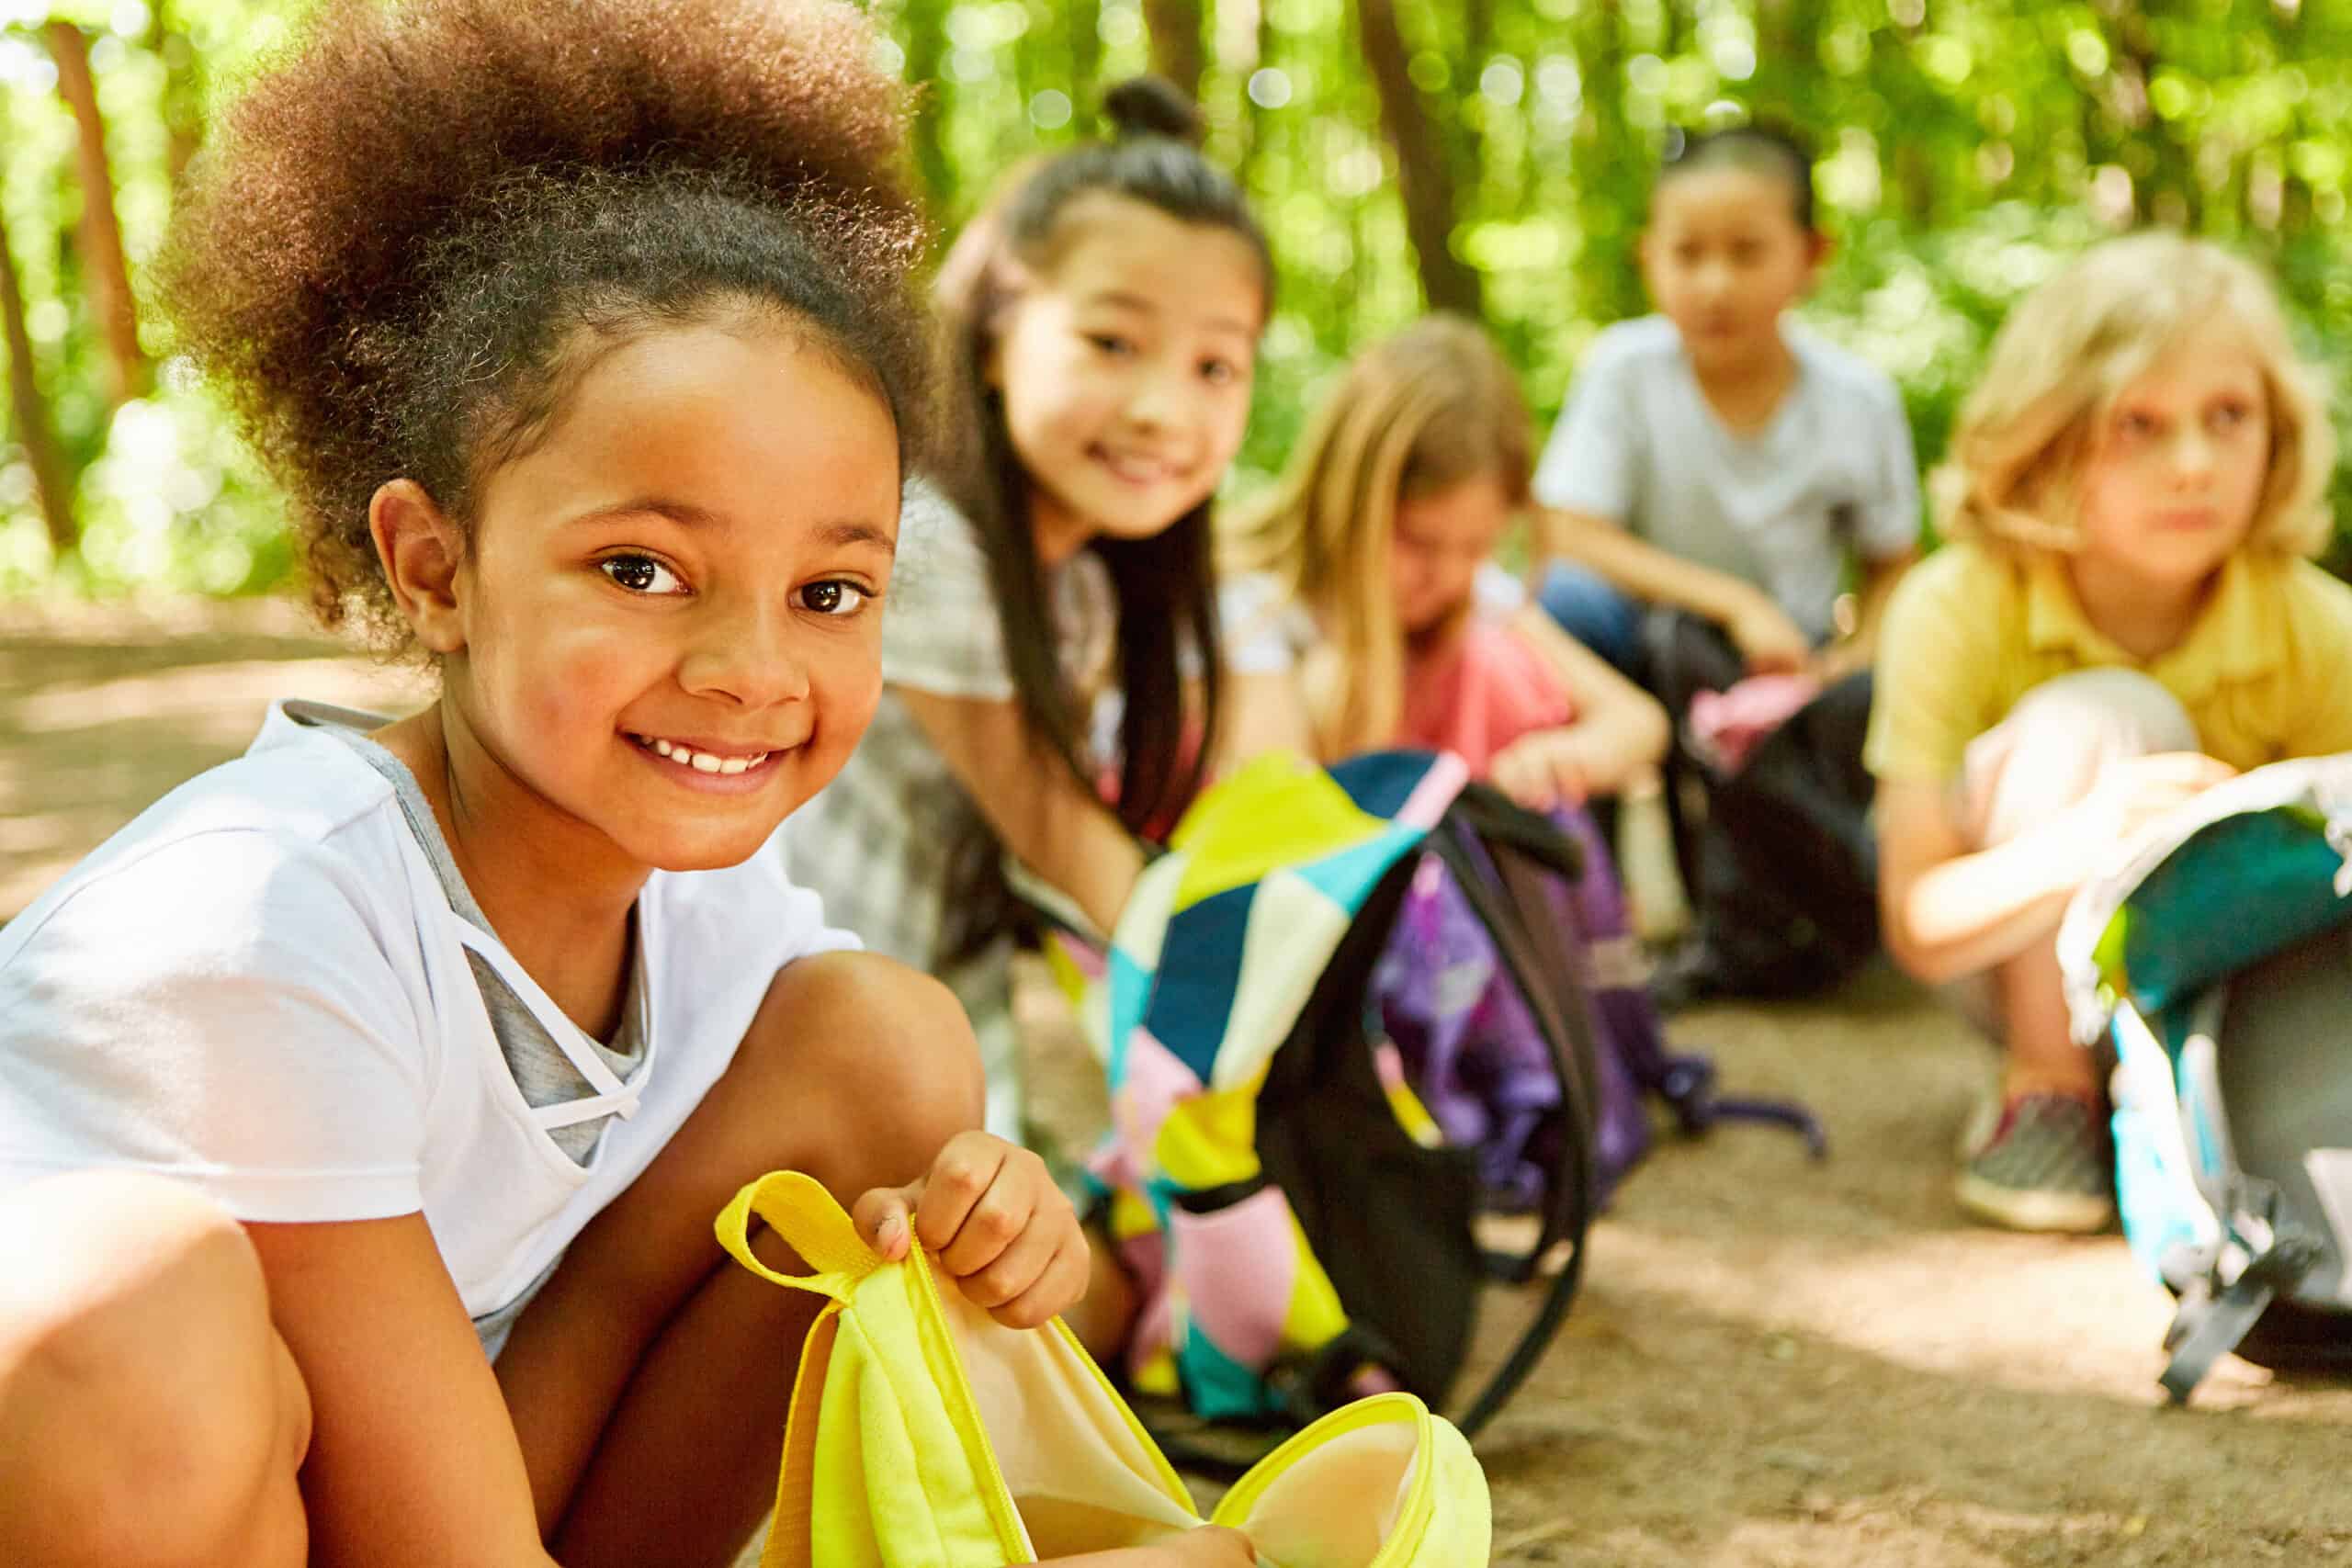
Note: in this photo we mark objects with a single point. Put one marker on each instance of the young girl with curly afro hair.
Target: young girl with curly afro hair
(364, 1105)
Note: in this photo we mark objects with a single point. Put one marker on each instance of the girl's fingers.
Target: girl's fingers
(882, 1216)
(992, 1227)
(960, 1177)
(1567, 783)
(1515, 778)
(1058, 1288)
(1017, 1270)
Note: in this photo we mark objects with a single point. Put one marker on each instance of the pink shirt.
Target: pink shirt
(1482, 691)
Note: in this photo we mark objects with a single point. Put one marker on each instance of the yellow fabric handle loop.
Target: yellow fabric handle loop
(799, 1209)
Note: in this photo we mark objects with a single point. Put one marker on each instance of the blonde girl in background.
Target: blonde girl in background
(1365, 583)
(1369, 576)
(2125, 617)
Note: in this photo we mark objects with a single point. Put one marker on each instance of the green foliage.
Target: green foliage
(1968, 146)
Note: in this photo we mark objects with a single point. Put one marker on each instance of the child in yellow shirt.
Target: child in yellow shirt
(2124, 618)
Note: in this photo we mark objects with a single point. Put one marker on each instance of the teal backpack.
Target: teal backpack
(2220, 961)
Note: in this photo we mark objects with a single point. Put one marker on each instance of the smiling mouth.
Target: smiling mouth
(1134, 469)
(702, 761)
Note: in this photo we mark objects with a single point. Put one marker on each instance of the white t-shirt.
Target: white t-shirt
(259, 989)
(1832, 474)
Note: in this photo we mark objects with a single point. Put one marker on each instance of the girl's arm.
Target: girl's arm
(413, 1458)
(1263, 712)
(1946, 910)
(1756, 626)
(1619, 734)
(1054, 824)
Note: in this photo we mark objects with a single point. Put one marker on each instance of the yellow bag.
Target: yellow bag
(925, 1434)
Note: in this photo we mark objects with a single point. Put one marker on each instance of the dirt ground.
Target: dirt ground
(1772, 1362)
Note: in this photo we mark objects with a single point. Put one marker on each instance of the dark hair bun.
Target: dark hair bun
(1152, 106)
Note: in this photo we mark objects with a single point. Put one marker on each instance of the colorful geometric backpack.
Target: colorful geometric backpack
(1281, 1176)
(2219, 959)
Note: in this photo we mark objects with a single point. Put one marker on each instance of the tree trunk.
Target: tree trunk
(1176, 49)
(100, 235)
(1424, 181)
(1083, 20)
(1612, 197)
(2174, 174)
(28, 415)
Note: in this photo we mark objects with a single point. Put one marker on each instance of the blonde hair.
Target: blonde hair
(2064, 356)
(1429, 408)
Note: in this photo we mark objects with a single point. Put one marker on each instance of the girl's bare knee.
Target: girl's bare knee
(149, 1413)
(898, 1071)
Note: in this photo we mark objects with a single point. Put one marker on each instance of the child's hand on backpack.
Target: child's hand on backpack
(993, 1220)
(2133, 794)
(1548, 768)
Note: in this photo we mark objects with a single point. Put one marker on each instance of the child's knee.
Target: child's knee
(900, 1069)
(2052, 747)
(2121, 711)
(140, 1380)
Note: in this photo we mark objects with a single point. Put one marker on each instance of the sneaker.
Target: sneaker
(2043, 1166)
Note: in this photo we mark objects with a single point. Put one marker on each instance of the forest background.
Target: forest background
(1487, 157)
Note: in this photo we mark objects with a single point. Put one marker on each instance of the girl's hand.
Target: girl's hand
(1548, 768)
(993, 1219)
(2132, 796)
(1766, 638)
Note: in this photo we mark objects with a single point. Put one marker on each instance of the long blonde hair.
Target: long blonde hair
(2062, 358)
(1429, 408)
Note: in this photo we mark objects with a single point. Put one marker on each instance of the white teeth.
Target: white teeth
(1140, 470)
(702, 761)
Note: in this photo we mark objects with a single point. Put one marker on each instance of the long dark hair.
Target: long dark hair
(1165, 585)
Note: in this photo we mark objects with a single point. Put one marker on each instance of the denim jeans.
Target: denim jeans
(1595, 612)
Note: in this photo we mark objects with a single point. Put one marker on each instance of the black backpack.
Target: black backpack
(1783, 872)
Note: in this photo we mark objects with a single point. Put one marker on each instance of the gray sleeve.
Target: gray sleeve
(1592, 463)
(941, 632)
(1890, 525)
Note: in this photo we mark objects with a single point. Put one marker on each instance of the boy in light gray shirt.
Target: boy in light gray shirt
(1715, 459)
(1718, 459)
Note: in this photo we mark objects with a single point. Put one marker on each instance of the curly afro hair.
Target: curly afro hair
(423, 221)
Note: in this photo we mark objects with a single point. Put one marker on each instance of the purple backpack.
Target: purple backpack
(1475, 1057)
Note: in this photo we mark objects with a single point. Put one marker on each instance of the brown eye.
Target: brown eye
(834, 598)
(641, 574)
